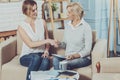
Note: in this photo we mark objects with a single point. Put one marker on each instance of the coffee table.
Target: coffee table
(53, 75)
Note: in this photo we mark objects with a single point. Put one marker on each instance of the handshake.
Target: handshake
(54, 43)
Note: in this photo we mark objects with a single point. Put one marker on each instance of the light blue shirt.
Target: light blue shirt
(78, 39)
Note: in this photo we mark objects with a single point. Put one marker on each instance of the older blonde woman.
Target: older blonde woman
(77, 39)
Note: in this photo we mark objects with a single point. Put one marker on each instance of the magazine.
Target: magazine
(69, 73)
(59, 56)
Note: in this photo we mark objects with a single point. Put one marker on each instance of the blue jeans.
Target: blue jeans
(75, 63)
(34, 62)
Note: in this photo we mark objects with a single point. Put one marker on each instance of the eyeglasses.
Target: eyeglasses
(34, 10)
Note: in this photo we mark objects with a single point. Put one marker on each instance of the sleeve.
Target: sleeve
(23, 25)
(87, 42)
(63, 42)
(62, 45)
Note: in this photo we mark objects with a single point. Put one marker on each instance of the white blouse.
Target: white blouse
(34, 36)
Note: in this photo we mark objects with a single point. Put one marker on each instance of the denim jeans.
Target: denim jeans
(75, 63)
(34, 62)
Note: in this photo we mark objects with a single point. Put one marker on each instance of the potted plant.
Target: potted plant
(54, 8)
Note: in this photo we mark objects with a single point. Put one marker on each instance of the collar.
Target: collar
(74, 27)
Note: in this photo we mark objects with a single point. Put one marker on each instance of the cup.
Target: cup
(63, 65)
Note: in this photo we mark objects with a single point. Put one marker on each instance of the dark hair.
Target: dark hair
(27, 6)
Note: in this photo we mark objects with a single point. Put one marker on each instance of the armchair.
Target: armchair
(105, 68)
(108, 69)
(10, 69)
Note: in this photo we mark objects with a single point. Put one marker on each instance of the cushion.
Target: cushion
(19, 43)
(14, 70)
(106, 76)
(58, 34)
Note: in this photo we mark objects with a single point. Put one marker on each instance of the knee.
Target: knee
(36, 58)
(45, 61)
(55, 59)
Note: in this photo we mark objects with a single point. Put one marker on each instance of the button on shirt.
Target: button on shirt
(78, 39)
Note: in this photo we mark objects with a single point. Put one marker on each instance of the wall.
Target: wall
(11, 15)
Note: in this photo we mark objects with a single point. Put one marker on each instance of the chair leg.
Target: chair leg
(98, 67)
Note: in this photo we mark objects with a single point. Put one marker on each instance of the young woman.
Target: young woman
(77, 39)
(34, 34)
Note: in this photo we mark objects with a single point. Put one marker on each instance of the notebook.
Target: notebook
(59, 56)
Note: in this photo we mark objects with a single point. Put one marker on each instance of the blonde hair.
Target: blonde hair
(76, 8)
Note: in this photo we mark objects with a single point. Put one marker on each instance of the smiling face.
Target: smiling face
(29, 8)
(32, 13)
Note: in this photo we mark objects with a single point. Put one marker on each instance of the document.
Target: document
(59, 56)
(37, 75)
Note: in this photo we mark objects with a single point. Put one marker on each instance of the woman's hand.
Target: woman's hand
(57, 42)
(73, 56)
(46, 54)
(52, 42)
(69, 57)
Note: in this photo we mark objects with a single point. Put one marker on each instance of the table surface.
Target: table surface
(51, 75)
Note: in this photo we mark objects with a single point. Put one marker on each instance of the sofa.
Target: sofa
(10, 68)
